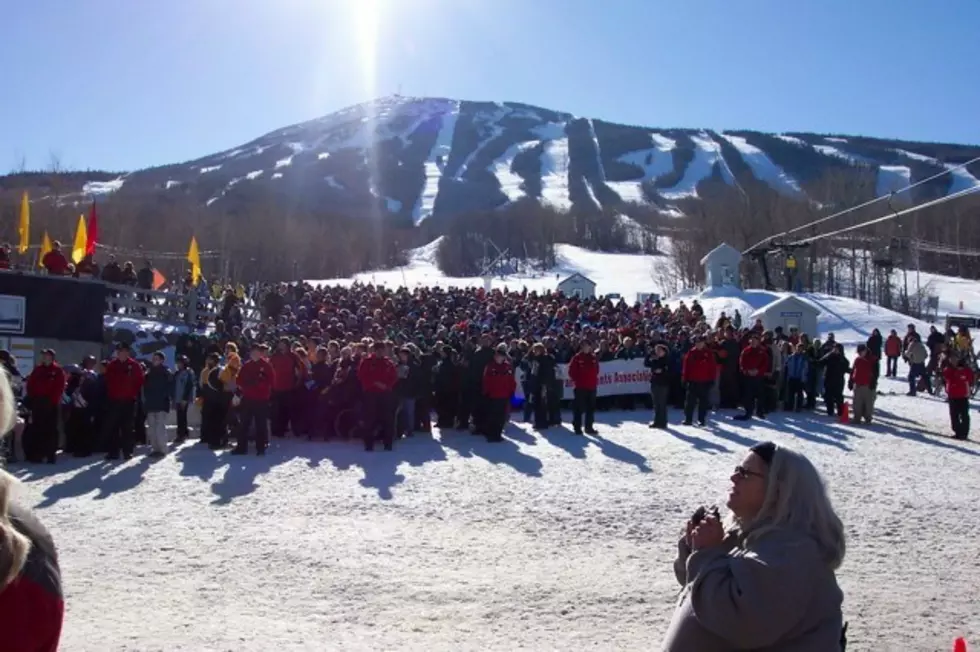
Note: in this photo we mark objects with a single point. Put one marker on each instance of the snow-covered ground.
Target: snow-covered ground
(707, 154)
(545, 542)
(626, 274)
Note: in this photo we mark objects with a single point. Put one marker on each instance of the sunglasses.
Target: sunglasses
(745, 473)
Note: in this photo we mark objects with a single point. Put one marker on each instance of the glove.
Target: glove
(850, 385)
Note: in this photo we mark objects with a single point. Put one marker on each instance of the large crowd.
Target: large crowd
(374, 364)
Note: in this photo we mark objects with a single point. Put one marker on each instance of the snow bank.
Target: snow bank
(103, 187)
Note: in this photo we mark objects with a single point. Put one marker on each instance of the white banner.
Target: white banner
(617, 377)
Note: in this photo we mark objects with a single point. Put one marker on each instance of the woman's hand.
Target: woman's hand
(707, 534)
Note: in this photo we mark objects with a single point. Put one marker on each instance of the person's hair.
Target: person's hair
(14, 546)
(796, 499)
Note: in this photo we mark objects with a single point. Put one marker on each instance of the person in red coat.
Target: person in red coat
(893, 351)
(862, 383)
(54, 261)
(583, 370)
(698, 372)
(45, 387)
(754, 363)
(499, 385)
(378, 375)
(123, 384)
(255, 382)
(959, 383)
(290, 375)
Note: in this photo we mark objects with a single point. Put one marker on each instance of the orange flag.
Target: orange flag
(158, 279)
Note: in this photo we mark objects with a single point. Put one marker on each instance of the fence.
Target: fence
(171, 307)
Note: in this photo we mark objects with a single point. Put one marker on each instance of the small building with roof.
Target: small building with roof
(721, 267)
(789, 312)
(577, 285)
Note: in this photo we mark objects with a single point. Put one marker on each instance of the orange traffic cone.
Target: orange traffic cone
(959, 645)
(845, 412)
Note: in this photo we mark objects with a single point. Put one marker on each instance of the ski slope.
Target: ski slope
(707, 154)
(763, 168)
(434, 164)
(661, 162)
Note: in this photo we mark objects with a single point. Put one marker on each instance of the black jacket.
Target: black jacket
(659, 370)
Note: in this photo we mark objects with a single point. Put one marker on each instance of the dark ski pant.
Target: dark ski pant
(540, 407)
(794, 395)
(834, 398)
(213, 422)
(282, 416)
(556, 392)
(697, 395)
(182, 429)
(446, 400)
(660, 394)
(496, 418)
(584, 405)
(753, 394)
(80, 432)
(253, 414)
(423, 412)
(43, 441)
(915, 371)
(379, 418)
(891, 366)
(119, 427)
(959, 417)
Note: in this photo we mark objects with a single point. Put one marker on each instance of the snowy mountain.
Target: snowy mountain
(419, 157)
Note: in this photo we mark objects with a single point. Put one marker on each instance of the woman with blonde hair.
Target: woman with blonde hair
(31, 601)
(767, 581)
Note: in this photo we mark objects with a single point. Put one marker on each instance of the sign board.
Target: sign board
(791, 314)
(22, 351)
(643, 297)
(13, 313)
(616, 377)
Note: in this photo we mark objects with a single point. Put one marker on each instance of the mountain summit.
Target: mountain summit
(414, 158)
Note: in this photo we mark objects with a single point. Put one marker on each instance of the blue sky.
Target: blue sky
(124, 84)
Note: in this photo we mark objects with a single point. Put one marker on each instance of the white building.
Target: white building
(579, 286)
(789, 312)
(721, 267)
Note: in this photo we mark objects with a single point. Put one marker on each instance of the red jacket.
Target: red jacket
(498, 379)
(47, 382)
(374, 370)
(755, 359)
(959, 380)
(123, 380)
(256, 379)
(893, 346)
(584, 371)
(862, 371)
(32, 607)
(287, 370)
(699, 367)
(55, 262)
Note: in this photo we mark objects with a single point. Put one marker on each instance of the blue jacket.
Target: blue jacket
(797, 366)
(184, 385)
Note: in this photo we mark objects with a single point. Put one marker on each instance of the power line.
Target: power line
(871, 202)
(890, 216)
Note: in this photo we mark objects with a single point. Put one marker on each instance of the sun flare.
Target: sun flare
(366, 19)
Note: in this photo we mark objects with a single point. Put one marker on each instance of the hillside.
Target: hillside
(415, 158)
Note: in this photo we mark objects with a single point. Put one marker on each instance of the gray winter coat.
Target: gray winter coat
(916, 353)
(773, 595)
(158, 389)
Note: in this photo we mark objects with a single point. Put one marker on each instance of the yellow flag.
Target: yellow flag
(45, 248)
(81, 241)
(24, 228)
(194, 258)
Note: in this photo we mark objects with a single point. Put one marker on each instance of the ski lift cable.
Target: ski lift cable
(870, 202)
(892, 216)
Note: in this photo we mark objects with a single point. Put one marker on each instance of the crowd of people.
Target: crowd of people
(374, 364)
